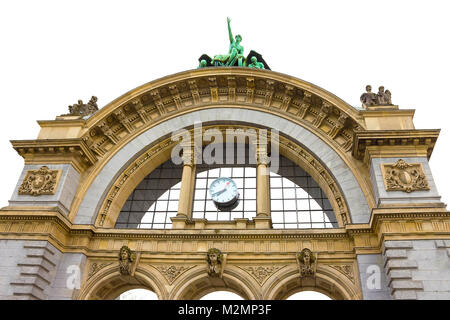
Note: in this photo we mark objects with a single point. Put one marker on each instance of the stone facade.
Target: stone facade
(62, 244)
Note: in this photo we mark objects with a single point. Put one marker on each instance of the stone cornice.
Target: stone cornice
(55, 151)
(425, 222)
(425, 138)
(140, 109)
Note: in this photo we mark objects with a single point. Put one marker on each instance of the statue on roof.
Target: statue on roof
(81, 109)
(382, 98)
(235, 51)
(235, 56)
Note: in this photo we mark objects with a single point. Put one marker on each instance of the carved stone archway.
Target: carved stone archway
(95, 163)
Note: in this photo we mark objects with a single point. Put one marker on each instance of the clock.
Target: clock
(224, 193)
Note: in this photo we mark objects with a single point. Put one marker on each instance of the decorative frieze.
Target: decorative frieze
(40, 182)
(172, 272)
(345, 269)
(261, 273)
(403, 176)
(95, 267)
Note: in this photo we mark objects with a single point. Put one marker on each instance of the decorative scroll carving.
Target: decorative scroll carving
(250, 89)
(324, 111)
(40, 182)
(223, 89)
(172, 272)
(214, 258)
(307, 263)
(403, 176)
(158, 101)
(304, 106)
(214, 89)
(176, 96)
(194, 91)
(108, 132)
(261, 273)
(231, 89)
(122, 118)
(126, 258)
(81, 109)
(345, 269)
(95, 267)
(288, 93)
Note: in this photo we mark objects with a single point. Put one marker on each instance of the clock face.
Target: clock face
(224, 191)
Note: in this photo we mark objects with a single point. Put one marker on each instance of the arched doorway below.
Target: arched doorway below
(138, 294)
(221, 295)
(308, 295)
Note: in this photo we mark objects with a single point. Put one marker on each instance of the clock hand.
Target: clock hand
(221, 191)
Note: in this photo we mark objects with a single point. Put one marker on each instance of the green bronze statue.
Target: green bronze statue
(235, 56)
(203, 64)
(235, 52)
(255, 63)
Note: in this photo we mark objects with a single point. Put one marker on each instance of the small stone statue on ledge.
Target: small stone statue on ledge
(382, 98)
(81, 109)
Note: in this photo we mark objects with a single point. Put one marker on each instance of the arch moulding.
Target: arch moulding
(315, 119)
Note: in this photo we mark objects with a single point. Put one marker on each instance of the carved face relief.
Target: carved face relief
(403, 176)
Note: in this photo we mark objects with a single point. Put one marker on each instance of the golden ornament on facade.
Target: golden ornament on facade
(403, 176)
(307, 263)
(126, 258)
(40, 182)
(214, 258)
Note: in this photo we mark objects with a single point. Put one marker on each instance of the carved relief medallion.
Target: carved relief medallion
(403, 176)
(40, 182)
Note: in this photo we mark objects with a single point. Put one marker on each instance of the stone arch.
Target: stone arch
(196, 283)
(158, 103)
(143, 165)
(354, 192)
(326, 280)
(108, 284)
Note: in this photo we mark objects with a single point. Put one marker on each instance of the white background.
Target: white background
(53, 53)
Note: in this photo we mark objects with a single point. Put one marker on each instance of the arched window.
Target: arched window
(297, 201)
(138, 294)
(221, 295)
(308, 295)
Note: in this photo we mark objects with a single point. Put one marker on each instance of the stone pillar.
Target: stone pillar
(184, 213)
(418, 269)
(262, 219)
(37, 270)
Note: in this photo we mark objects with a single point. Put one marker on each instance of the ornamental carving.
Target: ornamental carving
(172, 272)
(40, 182)
(214, 258)
(126, 258)
(95, 267)
(403, 176)
(260, 273)
(346, 269)
(82, 109)
(307, 263)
